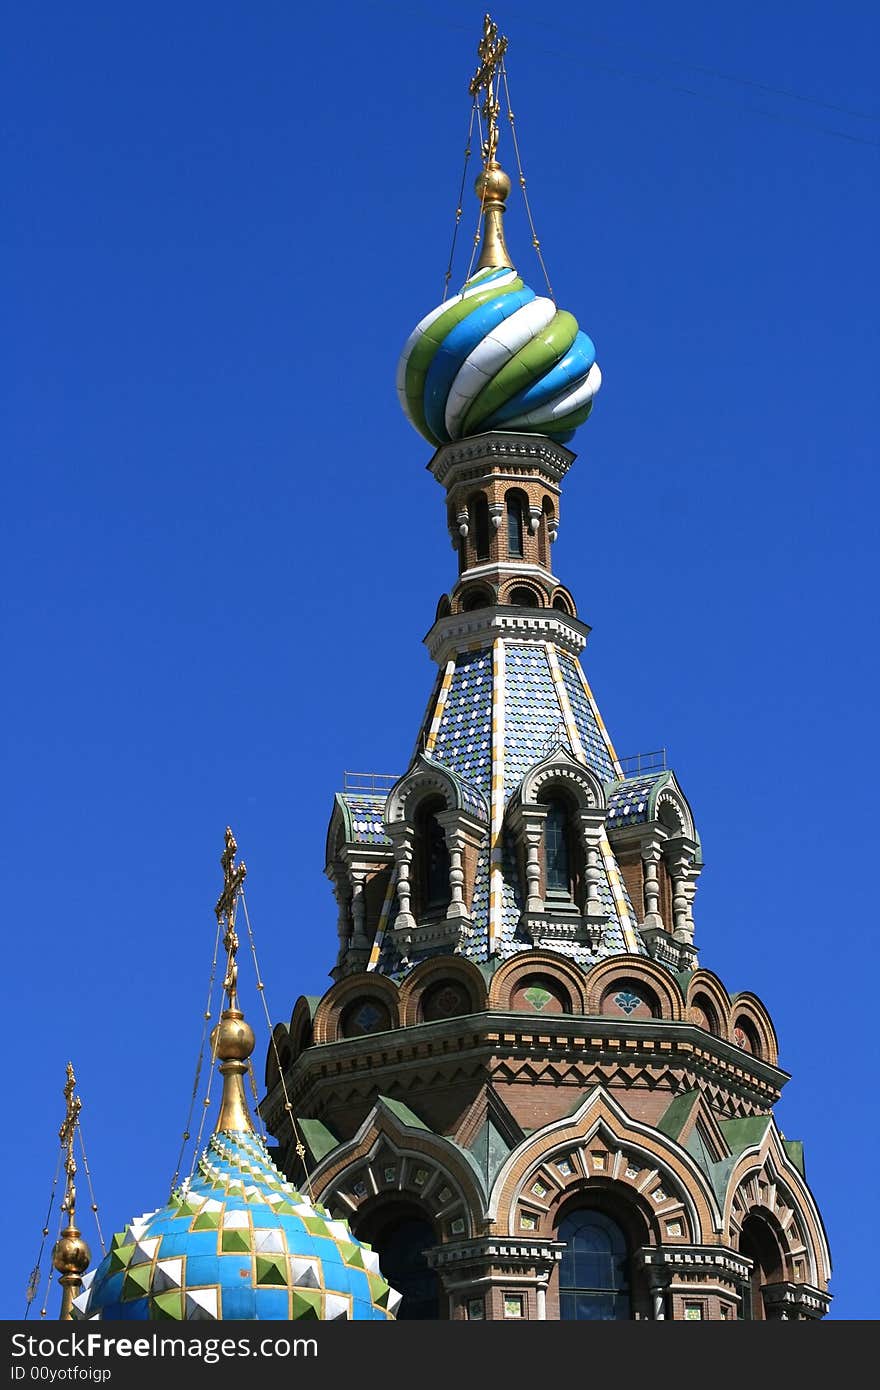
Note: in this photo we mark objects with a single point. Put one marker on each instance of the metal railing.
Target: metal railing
(369, 783)
(640, 764)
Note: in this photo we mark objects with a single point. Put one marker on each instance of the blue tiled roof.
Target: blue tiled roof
(628, 800)
(533, 718)
(365, 811)
(464, 739)
(531, 710)
(595, 748)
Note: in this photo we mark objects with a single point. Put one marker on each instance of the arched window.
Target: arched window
(544, 533)
(557, 856)
(514, 525)
(433, 861)
(476, 596)
(759, 1244)
(480, 523)
(403, 1264)
(593, 1275)
(400, 1236)
(523, 597)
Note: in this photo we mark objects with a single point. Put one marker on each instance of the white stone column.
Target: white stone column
(359, 940)
(402, 839)
(650, 868)
(455, 843)
(342, 894)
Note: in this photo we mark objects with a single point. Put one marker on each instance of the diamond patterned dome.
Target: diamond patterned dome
(237, 1241)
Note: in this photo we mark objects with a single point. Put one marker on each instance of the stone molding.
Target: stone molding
(459, 632)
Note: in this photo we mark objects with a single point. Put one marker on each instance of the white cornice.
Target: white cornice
(459, 632)
(518, 452)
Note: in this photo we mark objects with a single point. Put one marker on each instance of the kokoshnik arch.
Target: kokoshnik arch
(521, 1087)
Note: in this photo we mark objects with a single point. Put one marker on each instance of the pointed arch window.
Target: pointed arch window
(514, 503)
(594, 1272)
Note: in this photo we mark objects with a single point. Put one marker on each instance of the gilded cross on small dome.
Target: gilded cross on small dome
(491, 50)
(233, 878)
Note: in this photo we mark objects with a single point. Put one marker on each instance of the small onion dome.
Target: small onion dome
(497, 357)
(237, 1241)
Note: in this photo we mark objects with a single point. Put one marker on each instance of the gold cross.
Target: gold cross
(233, 878)
(65, 1134)
(491, 50)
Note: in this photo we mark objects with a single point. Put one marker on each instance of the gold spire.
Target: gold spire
(232, 1041)
(492, 186)
(70, 1254)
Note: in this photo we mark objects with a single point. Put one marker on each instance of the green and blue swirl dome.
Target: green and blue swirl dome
(497, 357)
(237, 1241)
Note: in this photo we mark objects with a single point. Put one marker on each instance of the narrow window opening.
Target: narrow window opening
(514, 526)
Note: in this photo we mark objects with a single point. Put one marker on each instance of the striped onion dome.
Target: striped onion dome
(497, 357)
(237, 1241)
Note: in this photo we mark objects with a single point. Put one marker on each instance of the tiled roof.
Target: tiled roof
(365, 812)
(628, 800)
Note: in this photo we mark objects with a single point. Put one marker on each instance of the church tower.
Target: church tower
(522, 1088)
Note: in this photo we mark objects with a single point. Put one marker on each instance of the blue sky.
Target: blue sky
(221, 546)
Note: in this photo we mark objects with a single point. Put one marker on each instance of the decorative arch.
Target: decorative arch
(473, 596)
(561, 770)
(600, 1147)
(668, 805)
(459, 818)
(704, 988)
(302, 1024)
(444, 608)
(428, 778)
(548, 965)
(748, 1014)
(281, 1043)
(764, 1180)
(366, 985)
(433, 974)
(392, 1157)
(563, 602)
(637, 970)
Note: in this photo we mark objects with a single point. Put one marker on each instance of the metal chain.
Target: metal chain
(82, 1149)
(299, 1146)
(33, 1283)
(460, 206)
(477, 233)
(522, 181)
(195, 1090)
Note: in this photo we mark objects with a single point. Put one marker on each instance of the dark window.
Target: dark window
(593, 1279)
(434, 859)
(475, 597)
(522, 597)
(556, 849)
(514, 525)
(480, 513)
(403, 1264)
